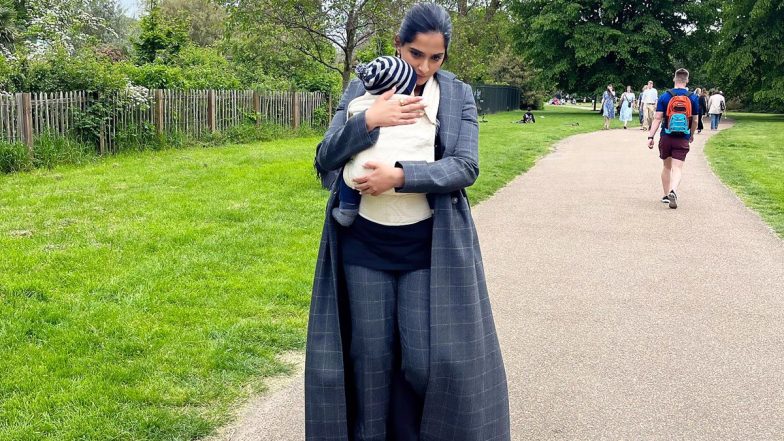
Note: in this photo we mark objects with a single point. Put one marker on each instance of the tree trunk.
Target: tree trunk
(348, 53)
(492, 8)
(462, 8)
(346, 74)
(595, 100)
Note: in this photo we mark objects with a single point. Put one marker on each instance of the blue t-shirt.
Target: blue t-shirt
(664, 100)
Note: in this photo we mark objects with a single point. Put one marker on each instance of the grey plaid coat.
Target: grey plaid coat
(466, 396)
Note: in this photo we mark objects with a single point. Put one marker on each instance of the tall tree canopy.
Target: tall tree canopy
(582, 45)
(314, 28)
(747, 61)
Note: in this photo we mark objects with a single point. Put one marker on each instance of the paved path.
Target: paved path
(620, 318)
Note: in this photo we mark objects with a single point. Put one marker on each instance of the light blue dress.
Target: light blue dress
(608, 109)
(626, 107)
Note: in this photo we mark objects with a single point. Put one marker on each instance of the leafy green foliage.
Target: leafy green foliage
(747, 60)
(58, 70)
(477, 41)
(583, 45)
(205, 18)
(315, 29)
(160, 37)
(14, 157)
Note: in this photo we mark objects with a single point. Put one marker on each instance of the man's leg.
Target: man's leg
(676, 166)
(666, 175)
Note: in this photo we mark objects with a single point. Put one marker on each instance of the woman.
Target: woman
(608, 106)
(627, 100)
(703, 94)
(640, 106)
(401, 340)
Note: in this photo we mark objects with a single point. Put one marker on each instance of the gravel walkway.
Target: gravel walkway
(619, 318)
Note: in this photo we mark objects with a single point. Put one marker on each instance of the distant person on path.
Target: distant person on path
(640, 106)
(627, 101)
(716, 106)
(649, 99)
(396, 143)
(608, 106)
(677, 112)
(401, 342)
(703, 94)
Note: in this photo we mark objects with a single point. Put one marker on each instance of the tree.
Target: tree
(115, 26)
(480, 35)
(205, 18)
(314, 28)
(747, 61)
(160, 37)
(65, 23)
(581, 46)
(7, 26)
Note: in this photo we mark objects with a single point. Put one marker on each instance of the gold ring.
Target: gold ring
(402, 103)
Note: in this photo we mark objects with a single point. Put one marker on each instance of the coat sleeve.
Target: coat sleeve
(345, 139)
(454, 172)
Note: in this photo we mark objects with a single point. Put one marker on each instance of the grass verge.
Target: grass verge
(749, 158)
(141, 294)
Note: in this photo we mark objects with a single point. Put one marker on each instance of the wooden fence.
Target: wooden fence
(25, 116)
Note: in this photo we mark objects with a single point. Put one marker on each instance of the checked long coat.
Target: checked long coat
(466, 397)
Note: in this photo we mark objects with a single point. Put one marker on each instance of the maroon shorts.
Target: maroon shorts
(676, 147)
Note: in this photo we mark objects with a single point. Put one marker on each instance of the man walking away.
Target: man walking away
(649, 99)
(677, 112)
(716, 107)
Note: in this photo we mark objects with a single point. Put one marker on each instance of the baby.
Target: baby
(414, 142)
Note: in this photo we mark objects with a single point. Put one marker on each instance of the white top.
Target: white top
(650, 96)
(628, 97)
(714, 104)
(414, 142)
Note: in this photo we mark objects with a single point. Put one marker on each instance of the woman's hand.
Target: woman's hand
(381, 178)
(387, 112)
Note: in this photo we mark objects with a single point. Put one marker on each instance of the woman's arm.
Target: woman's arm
(453, 172)
(344, 138)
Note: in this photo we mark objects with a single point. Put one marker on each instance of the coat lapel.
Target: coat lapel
(448, 116)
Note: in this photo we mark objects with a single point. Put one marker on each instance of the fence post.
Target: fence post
(96, 98)
(211, 101)
(295, 109)
(159, 111)
(26, 121)
(257, 106)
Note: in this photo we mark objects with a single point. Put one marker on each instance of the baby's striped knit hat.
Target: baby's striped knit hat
(387, 72)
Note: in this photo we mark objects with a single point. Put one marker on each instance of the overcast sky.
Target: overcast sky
(131, 7)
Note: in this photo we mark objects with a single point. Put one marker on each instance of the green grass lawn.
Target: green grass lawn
(143, 295)
(749, 158)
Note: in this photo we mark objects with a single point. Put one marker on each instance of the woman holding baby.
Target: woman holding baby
(401, 341)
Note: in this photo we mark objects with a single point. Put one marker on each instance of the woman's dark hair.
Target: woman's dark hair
(425, 18)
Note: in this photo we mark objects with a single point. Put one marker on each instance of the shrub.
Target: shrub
(50, 150)
(137, 138)
(59, 71)
(206, 68)
(14, 157)
(155, 75)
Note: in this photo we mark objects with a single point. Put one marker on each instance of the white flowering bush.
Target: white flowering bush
(135, 96)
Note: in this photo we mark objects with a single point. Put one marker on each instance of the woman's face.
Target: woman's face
(425, 53)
